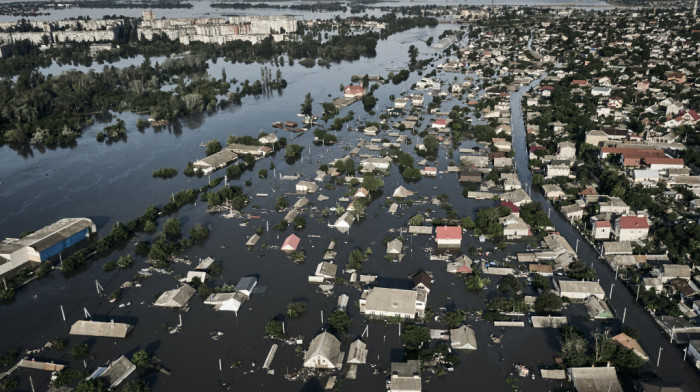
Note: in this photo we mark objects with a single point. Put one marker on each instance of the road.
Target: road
(671, 366)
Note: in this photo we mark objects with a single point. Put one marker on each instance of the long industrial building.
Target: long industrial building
(43, 243)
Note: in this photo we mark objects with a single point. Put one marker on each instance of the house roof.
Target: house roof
(601, 223)
(117, 371)
(448, 233)
(512, 207)
(100, 328)
(422, 278)
(324, 345)
(357, 352)
(540, 268)
(396, 301)
(291, 243)
(595, 379)
(633, 222)
(463, 338)
(246, 283)
(354, 89)
(177, 297)
(576, 286)
(627, 342)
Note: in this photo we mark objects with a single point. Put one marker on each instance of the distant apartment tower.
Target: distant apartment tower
(148, 15)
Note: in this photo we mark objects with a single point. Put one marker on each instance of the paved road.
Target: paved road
(672, 367)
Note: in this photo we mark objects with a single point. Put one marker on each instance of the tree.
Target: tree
(136, 386)
(414, 337)
(91, 385)
(372, 183)
(274, 328)
(548, 302)
(198, 233)
(454, 318)
(541, 282)
(212, 147)
(172, 228)
(281, 203)
(307, 106)
(509, 285)
(293, 151)
(80, 351)
(627, 359)
(149, 227)
(141, 359)
(355, 260)
(339, 320)
(297, 308)
(574, 348)
(578, 270)
(416, 220)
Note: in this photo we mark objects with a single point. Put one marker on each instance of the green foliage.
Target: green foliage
(372, 183)
(455, 318)
(141, 359)
(541, 282)
(125, 261)
(165, 172)
(533, 214)
(212, 147)
(8, 384)
(339, 320)
(136, 386)
(356, 259)
(486, 221)
(172, 228)
(273, 328)
(507, 304)
(149, 227)
(8, 358)
(109, 266)
(292, 151)
(199, 233)
(548, 303)
(574, 349)
(509, 285)
(281, 203)
(307, 105)
(411, 173)
(475, 281)
(80, 351)
(91, 385)
(68, 375)
(578, 270)
(299, 222)
(414, 337)
(416, 220)
(262, 173)
(297, 309)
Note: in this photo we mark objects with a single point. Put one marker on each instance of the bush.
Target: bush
(80, 351)
(109, 266)
(297, 309)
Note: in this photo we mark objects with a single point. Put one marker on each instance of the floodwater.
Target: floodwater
(109, 183)
(203, 9)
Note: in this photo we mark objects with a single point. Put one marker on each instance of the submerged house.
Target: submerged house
(324, 353)
(176, 298)
(100, 328)
(384, 302)
(117, 371)
(405, 376)
(448, 236)
(290, 243)
(463, 338)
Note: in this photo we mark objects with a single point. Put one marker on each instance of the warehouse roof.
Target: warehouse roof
(55, 233)
(100, 328)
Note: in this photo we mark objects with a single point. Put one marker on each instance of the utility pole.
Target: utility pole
(638, 287)
(624, 313)
(658, 358)
(611, 287)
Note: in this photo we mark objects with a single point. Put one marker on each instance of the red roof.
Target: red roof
(535, 148)
(589, 191)
(440, 121)
(580, 82)
(550, 88)
(354, 89)
(464, 270)
(448, 233)
(430, 169)
(602, 223)
(664, 161)
(512, 207)
(291, 242)
(633, 222)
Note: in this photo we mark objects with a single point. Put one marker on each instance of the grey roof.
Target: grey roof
(405, 376)
(176, 298)
(357, 352)
(246, 283)
(326, 269)
(390, 300)
(463, 338)
(548, 321)
(117, 371)
(205, 264)
(402, 192)
(326, 346)
(301, 202)
(253, 240)
(55, 233)
(576, 286)
(394, 246)
(617, 248)
(217, 160)
(100, 328)
(597, 308)
(677, 271)
(595, 379)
